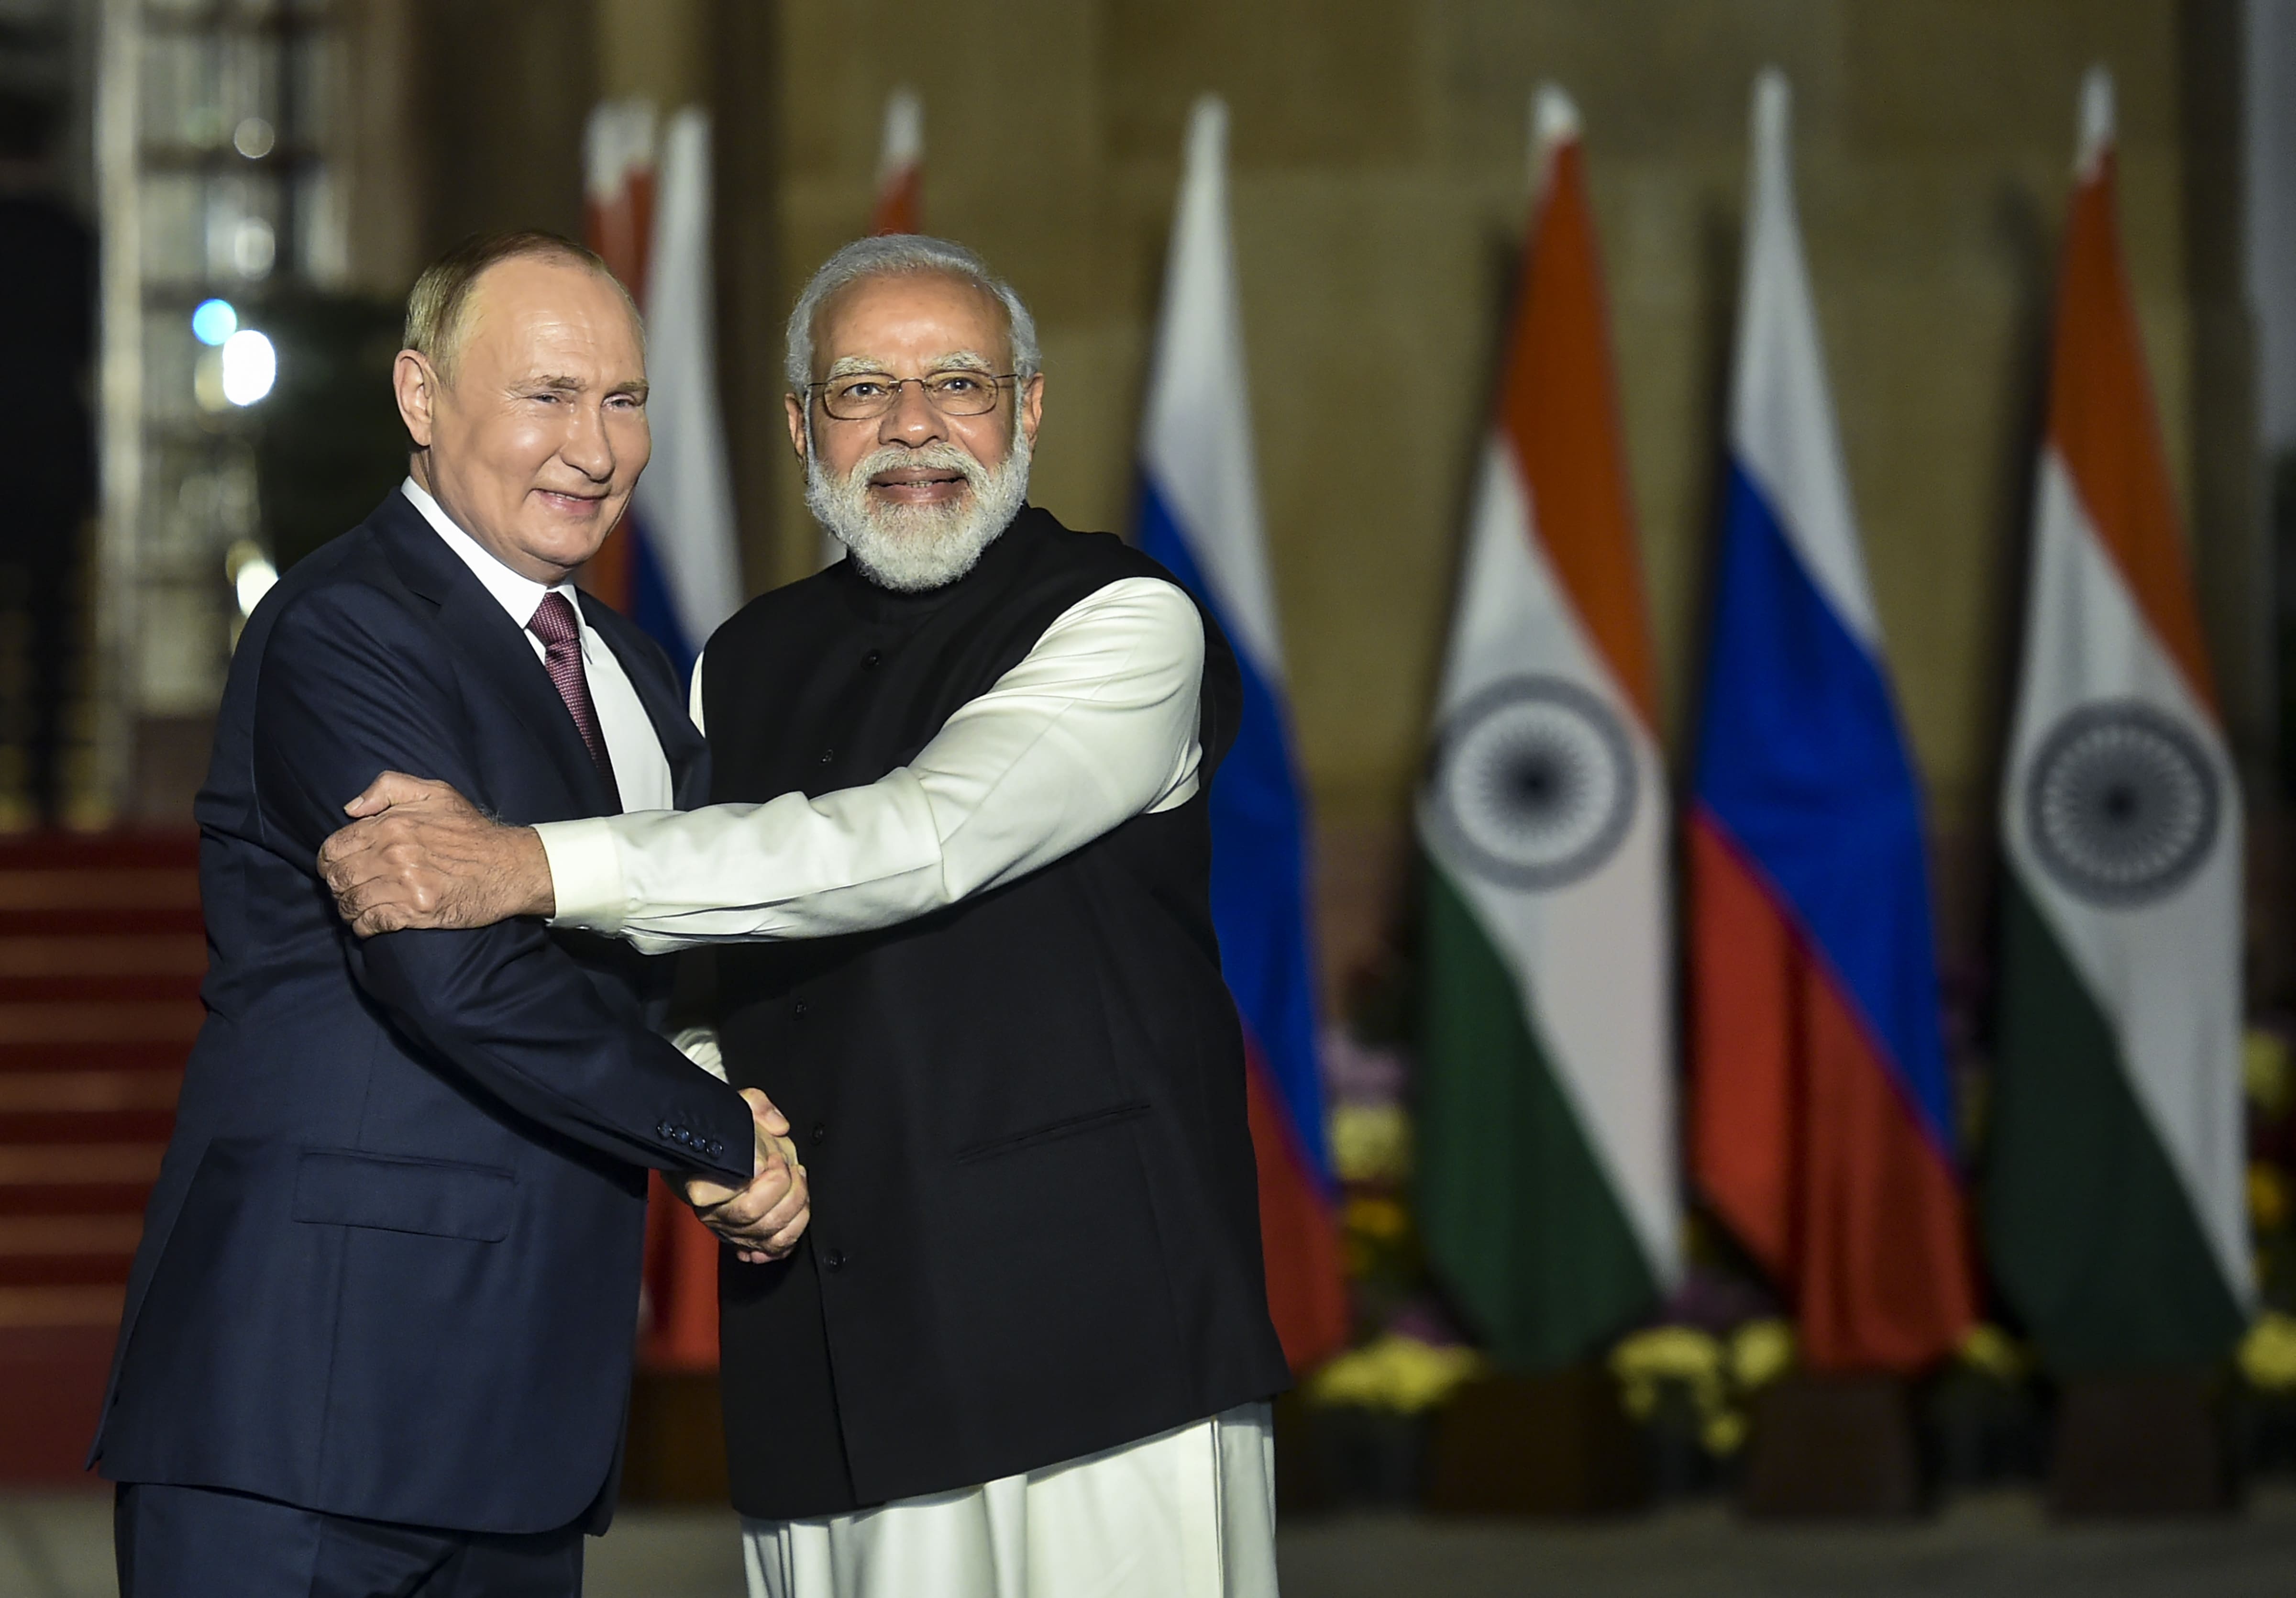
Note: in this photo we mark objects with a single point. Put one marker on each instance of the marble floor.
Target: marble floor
(1994, 1546)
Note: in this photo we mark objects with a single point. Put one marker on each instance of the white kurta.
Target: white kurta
(1096, 725)
(1188, 1513)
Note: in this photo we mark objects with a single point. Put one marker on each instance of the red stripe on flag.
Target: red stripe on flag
(679, 1331)
(1299, 1236)
(1803, 1142)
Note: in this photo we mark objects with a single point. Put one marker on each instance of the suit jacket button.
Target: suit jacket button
(717, 1146)
(828, 755)
(798, 1008)
(834, 1259)
(663, 1130)
(869, 661)
(820, 1131)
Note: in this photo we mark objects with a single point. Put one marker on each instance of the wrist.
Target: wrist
(537, 892)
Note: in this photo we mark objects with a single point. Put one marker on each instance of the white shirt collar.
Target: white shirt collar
(519, 595)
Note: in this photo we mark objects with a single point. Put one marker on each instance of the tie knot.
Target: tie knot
(555, 621)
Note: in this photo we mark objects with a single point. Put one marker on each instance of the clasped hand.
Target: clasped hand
(417, 853)
(764, 1220)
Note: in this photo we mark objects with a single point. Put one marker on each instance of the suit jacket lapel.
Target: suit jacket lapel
(643, 664)
(476, 624)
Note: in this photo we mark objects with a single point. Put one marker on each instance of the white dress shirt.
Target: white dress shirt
(633, 749)
(1096, 725)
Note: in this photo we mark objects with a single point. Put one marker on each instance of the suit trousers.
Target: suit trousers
(176, 1542)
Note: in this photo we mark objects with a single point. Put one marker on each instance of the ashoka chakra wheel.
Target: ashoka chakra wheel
(2122, 803)
(1535, 783)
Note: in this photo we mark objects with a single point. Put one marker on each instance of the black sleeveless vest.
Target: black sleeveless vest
(1036, 1226)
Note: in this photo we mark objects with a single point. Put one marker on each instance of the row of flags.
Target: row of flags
(1821, 1127)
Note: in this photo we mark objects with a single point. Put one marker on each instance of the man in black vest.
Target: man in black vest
(957, 875)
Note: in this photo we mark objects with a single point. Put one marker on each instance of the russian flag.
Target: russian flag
(1823, 1129)
(1199, 515)
(900, 202)
(674, 566)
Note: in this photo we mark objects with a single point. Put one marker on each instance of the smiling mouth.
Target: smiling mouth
(918, 483)
(579, 504)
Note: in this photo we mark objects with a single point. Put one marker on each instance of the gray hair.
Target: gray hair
(897, 255)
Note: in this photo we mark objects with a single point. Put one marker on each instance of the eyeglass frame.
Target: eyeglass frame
(995, 380)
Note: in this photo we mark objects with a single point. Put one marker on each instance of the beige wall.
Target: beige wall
(1379, 185)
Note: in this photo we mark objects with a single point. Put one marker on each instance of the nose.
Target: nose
(587, 448)
(913, 421)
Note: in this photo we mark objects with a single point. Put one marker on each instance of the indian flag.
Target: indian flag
(1547, 1194)
(2113, 1207)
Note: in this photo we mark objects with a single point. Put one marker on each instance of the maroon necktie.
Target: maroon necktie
(560, 632)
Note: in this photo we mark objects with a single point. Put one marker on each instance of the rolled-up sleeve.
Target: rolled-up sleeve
(1096, 725)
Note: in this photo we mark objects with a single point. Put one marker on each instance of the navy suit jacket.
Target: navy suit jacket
(391, 1266)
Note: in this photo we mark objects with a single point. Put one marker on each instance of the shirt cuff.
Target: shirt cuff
(586, 874)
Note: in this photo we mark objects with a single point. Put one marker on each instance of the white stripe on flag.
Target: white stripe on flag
(1782, 425)
(1196, 442)
(685, 500)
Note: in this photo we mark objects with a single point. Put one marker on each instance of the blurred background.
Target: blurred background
(210, 211)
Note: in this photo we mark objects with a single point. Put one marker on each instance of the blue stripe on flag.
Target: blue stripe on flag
(1801, 759)
(650, 605)
(1260, 902)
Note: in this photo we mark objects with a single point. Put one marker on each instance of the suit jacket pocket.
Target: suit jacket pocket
(1092, 1121)
(436, 1198)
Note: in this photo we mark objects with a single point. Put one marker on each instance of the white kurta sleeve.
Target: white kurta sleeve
(1096, 725)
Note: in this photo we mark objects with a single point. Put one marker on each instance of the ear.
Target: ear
(1031, 407)
(414, 383)
(794, 407)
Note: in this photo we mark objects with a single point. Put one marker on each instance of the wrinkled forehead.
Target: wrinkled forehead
(910, 320)
(531, 314)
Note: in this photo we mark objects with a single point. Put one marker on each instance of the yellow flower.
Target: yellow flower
(1663, 1354)
(1993, 1352)
(1395, 1372)
(2267, 1354)
(2266, 1072)
(1381, 1220)
(1371, 1142)
(1724, 1431)
(2267, 1195)
(1760, 1352)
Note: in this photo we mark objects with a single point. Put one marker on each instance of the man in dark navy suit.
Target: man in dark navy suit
(378, 1336)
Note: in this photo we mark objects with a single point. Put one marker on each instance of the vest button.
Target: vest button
(834, 1259)
(828, 755)
(820, 1131)
(869, 661)
(798, 1008)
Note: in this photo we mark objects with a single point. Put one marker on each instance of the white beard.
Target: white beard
(911, 548)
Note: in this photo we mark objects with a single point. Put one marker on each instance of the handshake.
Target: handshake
(764, 1220)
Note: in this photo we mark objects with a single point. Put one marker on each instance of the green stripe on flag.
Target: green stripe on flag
(1519, 1220)
(2093, 1237)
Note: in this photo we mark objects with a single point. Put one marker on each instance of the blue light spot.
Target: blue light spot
(214, 321)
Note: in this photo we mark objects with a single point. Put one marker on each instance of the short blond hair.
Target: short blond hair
(438, 308)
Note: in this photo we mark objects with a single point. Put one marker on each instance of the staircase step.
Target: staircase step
(71, 1165)
(91, 1305)
(115, 954)
(78, 1128)
(89, 1092)
(88, 1022)
(28, 1237)
(74, 1198)
(136, 888)
(64, 1270)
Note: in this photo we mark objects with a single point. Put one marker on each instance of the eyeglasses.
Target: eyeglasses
(865, 396)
